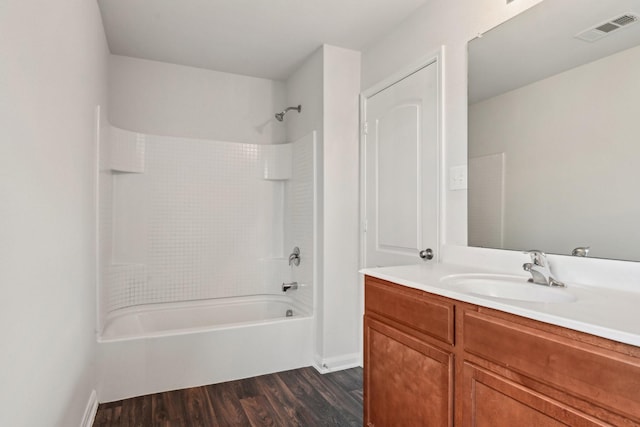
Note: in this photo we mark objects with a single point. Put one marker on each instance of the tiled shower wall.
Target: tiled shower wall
(300, 217)
(184, 219)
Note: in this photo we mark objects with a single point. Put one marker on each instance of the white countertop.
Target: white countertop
(605, 312)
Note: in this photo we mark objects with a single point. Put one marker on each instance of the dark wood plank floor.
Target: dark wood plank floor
(301, 397)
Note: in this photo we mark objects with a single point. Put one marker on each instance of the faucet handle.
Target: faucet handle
(582, 251)
(537, 256)
(294, 258)
(540, 270)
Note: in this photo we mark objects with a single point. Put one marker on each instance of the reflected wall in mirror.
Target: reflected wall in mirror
(554, 130)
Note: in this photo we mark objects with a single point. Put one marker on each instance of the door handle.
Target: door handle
(426, 254)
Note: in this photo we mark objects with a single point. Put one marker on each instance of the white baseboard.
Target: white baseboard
(90, 411)
(338, 363)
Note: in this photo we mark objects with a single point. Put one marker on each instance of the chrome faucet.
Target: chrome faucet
(287, 286)
(540, 271)
(294, 258)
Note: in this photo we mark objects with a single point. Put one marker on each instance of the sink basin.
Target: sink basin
(506, 287)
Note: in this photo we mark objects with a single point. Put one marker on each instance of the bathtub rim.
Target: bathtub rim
(304, 314)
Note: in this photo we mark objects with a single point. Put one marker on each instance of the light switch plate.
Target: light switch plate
(458, 177)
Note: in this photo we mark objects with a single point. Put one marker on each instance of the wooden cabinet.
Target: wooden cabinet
(433, 361)
(407, 357)
(407, 379)
(596, 376)
(492, 400)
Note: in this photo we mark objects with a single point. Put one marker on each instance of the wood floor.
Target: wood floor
(301, 397)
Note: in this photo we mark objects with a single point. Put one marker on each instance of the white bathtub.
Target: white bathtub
(165, 319)
(160, 347)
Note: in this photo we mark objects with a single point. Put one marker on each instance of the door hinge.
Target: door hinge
(365, 128)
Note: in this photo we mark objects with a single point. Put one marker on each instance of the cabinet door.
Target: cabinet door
(406, 381)
(492, 400)
(602, 378)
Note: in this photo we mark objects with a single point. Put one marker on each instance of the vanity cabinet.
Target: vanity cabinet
(433, 361)
(408, 358)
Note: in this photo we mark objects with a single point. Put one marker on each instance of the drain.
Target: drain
(289, 313)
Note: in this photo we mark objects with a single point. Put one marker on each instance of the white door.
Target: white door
(401, 170)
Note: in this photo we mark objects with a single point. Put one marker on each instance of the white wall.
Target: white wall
(327, 85)
(451, 24)
(174, 100)
(556, 146)
(305, 87)
(52, 77)
(341, 206)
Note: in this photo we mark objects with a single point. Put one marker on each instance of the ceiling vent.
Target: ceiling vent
(607, 27)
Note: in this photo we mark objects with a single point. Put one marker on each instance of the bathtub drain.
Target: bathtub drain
(289, 313)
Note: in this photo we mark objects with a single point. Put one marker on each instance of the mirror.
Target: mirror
(554, 130)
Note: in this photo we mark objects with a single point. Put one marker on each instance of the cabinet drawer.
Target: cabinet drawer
(581, 369)
(497, 401)
(412, 308)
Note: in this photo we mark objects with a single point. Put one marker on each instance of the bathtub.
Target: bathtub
(161, 347)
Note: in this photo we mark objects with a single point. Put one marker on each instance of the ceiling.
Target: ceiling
(540, 43)
(261, 38)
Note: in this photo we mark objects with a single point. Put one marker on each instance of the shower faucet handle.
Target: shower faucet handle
(294, 258)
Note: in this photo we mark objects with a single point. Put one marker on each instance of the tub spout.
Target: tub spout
(287, 286)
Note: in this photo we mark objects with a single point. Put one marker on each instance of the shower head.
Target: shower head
(280, 115)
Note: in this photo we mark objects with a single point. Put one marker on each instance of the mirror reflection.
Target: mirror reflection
(554, 130)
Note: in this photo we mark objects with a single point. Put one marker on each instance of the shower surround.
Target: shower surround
(193, 220)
